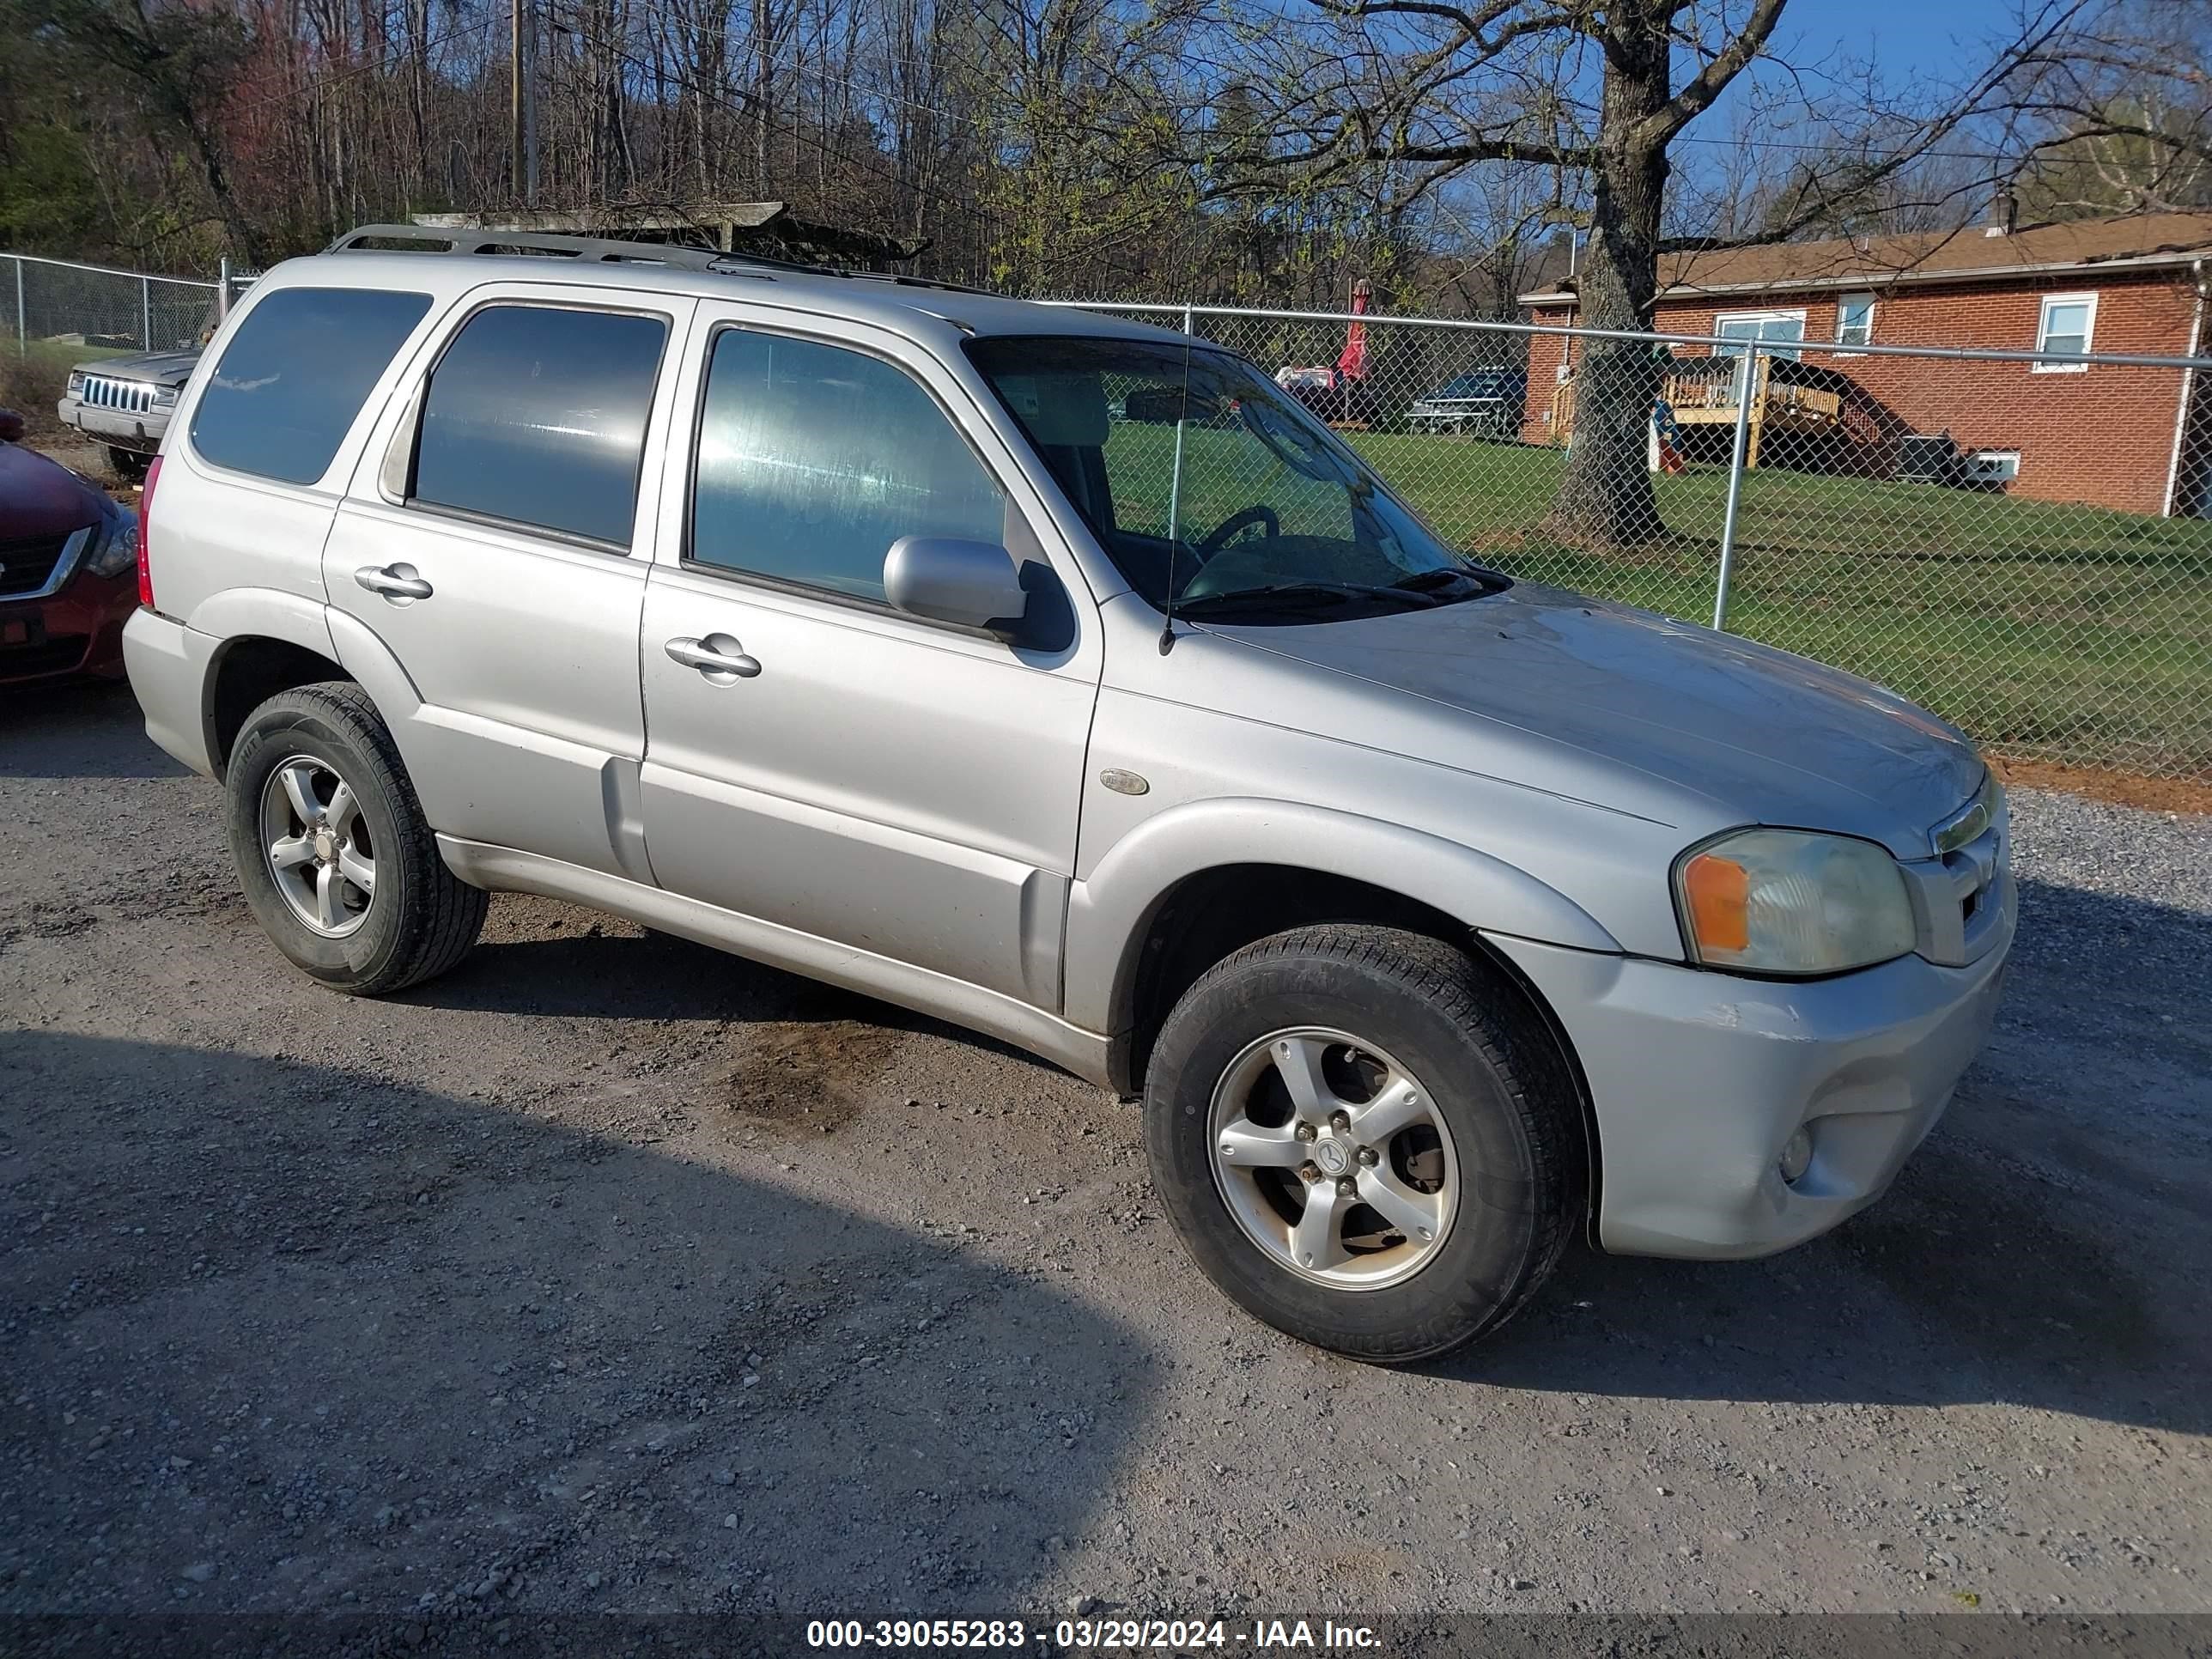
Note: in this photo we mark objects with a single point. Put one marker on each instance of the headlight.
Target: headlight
(1791, 902)
(165, 397)
(76, 382)
(115, 545)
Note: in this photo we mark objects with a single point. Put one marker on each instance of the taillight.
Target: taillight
(146, 531)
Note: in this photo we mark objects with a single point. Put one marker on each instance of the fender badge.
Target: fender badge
(1124, 783)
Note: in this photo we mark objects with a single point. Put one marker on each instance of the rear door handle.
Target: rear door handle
(397, 582)
(718, 658)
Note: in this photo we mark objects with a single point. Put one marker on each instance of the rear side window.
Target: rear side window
(814, 459)
(537, 415)
(294, 375)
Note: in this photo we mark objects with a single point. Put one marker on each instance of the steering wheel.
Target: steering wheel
(1219, 536)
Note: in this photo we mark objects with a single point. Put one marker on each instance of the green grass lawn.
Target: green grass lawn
(2071, 634)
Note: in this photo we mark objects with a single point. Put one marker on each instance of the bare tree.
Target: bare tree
(2116, 117)
(1433, 87)
(1429, 89)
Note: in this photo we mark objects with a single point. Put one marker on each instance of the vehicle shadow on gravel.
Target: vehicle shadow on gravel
(77, 729)
(2049, 1246)
(826, 1037)
(284, 1336)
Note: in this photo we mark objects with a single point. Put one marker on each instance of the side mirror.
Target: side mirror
(946, 579)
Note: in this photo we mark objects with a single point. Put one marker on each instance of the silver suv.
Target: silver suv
(124, 404)
(833, 621)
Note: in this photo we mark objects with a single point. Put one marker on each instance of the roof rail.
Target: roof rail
(427, 239)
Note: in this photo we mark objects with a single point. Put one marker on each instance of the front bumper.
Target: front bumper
(1697, 1079)
(139, 430)
(77, 631)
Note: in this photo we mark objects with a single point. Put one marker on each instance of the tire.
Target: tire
(415, 919)
(130, 466)
(1508, 1160)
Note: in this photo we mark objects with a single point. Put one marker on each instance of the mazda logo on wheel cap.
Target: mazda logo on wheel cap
(1332, 1157)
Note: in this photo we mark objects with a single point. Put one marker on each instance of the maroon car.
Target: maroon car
(69, 560)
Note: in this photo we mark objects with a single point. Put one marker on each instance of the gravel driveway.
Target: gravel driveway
(612, 1272)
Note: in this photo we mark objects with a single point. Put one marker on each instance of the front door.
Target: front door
(815, 759)
(494, 551)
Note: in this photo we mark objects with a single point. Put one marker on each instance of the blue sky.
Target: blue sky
(1905, 37)
(1927, 47)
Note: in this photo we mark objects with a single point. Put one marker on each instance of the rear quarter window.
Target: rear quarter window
(536, 414)
(293, 378)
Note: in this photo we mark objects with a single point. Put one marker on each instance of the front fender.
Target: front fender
(1110, 914)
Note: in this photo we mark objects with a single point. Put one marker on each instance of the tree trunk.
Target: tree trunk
(1606, 498)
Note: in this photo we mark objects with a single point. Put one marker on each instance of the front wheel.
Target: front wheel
(130, 466)
(1365, 1139)
(338, 863)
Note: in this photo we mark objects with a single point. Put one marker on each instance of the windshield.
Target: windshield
(1196, 471)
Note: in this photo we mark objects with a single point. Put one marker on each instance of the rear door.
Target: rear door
(905, 788)
(494, 544)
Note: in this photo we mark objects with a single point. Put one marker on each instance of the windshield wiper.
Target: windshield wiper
(1298, 596)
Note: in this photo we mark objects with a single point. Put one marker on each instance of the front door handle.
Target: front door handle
(397, 582)
(718, 658)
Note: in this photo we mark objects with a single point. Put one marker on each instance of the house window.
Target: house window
(1855, 319)
(1777, 331)
(2068, 324)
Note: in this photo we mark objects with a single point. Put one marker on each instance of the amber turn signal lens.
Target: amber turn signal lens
(1718, 893)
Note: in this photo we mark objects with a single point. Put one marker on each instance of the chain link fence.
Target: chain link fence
(49, 305)
(2022, 542)
(2016, 541)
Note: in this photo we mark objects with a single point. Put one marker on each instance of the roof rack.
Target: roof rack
(423, 239)
(426, 239)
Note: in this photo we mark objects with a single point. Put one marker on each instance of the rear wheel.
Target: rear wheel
(1365, 1139)
(330, 845)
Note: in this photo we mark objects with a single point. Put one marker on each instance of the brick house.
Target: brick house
(2138, 439)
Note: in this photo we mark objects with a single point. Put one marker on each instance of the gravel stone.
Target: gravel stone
(2002, 1362)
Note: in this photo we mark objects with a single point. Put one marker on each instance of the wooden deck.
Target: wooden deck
(1704, 399)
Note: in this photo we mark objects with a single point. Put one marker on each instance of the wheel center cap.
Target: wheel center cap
(326, 845)
(1332, 1155)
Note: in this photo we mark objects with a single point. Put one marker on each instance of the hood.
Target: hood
(162, 367)
(41, 498)
(1763, 736)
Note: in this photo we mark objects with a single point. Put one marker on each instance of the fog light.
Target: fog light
(1797, 1156)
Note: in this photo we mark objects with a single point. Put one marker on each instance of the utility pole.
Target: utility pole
(522, 113)
(530, 104)
(514, 102)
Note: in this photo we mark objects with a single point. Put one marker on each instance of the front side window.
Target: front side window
(814, 459)
(1200, 477)
(294, 375)
(1855, 319)
(536, 414)
(2068, 324)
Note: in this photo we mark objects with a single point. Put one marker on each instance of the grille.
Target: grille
(26, 564)
(133, 396)
(1960, 883)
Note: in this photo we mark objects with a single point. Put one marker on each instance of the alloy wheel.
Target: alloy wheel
(1333, 1159)
(317, 845)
